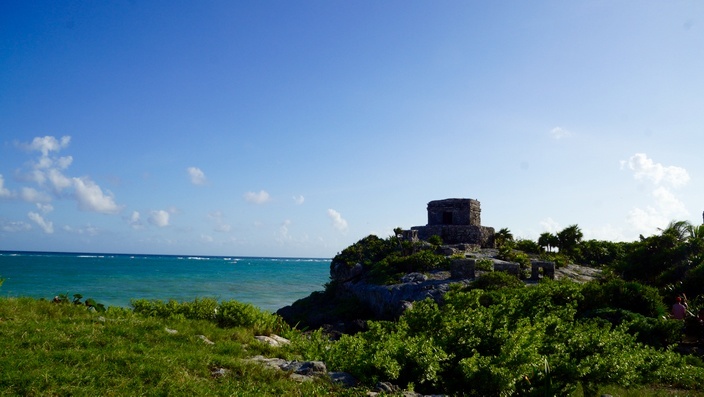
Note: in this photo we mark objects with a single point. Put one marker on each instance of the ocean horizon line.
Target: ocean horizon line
(103, 254)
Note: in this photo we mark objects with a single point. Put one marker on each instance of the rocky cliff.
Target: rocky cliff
(350, 298)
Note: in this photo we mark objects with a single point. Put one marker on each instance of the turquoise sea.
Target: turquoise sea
(115, 279)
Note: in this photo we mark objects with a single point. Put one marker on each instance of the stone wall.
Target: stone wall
(466, 212)
(457, 234)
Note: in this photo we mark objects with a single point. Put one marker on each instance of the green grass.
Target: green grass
(63, 349)
(49, 349)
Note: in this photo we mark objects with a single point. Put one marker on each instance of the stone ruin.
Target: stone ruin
(455, 221)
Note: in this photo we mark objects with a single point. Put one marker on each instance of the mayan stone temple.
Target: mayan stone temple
(456, 221)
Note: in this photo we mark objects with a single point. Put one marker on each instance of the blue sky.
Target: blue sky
(296, 128)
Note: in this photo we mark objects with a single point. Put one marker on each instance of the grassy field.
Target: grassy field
(53, 349)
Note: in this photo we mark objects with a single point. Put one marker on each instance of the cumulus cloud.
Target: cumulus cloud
(135, 220)
(48, 144)
(338, 222)
(257, 198)
(665, 206)
(58, 180)
(159, 218)
(4, 192)
(32, 195)
(197, 176)
(645, 168)
(48, 173)
(559, 133)
(91, 197)
(47, 226)
(299, 200)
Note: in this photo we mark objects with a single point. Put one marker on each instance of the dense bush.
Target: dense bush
(496, 280)
(366, 251)
(620, 294)
(526, 341)
(528, 246)
(225, 314)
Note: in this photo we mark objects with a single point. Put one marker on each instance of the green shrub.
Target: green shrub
(496, 280)
(528, 246)
(435, 240)
(366, 251)
(617, 293)
(484, 264)
(236, 314)
(226, 314)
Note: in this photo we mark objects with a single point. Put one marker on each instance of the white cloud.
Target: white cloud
(197, 176)
(670, 205)
(47, 226)
(645, 168)
(283, 230)
(88, 230)
(159, 218)
(605, 233)
(32, 195)
(16, 226)
(49, 144)
(665, 206)
(550, 225)
(257, 198)
(646, 221)
(58, 180)
(135, 220)
(91, 197)
(4, 192)
(299, 200)
(45, 208)
(337, 221)
(559, 133)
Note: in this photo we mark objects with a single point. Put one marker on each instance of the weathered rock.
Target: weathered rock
(272, 340)
(462, 268)
(388, 301)
(307, 368)
(343, 378)
(342, 272)
(386, 387)
(219, 372)
(414, 278)
(205, 340)
(303, 371)
(275, 363)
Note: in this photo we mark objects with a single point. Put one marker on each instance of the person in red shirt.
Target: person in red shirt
(679, 310)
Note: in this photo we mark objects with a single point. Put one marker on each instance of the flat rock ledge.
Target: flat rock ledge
(304, 371)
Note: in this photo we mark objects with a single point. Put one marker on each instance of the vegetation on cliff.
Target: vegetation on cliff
(498, 337)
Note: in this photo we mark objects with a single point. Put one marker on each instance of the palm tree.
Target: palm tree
(680, 230)
(502, 237)
(548, 241)
(569, 238)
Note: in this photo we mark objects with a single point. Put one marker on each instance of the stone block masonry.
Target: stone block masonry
(456, 221)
